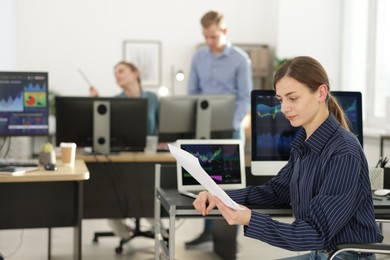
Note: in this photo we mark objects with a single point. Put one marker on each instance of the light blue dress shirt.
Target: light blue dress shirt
(228, 73)
(153, 111)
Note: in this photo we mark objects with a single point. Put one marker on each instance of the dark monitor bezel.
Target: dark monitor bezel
(128, 125)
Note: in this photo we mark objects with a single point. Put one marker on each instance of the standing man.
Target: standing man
(220, 68)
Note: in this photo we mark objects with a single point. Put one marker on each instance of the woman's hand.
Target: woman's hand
(233, 217)
(204, 203)
(93, 92)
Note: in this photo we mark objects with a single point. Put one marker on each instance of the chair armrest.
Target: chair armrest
(375, 248)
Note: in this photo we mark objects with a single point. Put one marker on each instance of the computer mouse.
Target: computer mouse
(51, 167)
(382, 192)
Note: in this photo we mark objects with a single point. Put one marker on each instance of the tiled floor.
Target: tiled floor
(31, 244)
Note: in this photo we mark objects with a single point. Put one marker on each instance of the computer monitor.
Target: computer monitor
(105, 124)
(24, 107)
(196, 117)
(272, 133)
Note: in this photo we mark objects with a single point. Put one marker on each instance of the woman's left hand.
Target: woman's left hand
(233, 217)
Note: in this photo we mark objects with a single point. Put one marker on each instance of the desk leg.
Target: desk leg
(157, 227)
(172, 224)
(225, 244)
(77, 238)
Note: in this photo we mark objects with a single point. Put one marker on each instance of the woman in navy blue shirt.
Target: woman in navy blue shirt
(325, 181)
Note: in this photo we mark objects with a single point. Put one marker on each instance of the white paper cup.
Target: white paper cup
(151, 144)
(68, 153)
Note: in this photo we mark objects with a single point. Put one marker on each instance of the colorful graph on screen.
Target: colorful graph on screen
(274, 132)
(220, 161)
(23, 103)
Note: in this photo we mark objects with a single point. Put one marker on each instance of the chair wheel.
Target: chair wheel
(118, 250)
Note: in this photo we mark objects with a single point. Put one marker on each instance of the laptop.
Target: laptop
(222, 159)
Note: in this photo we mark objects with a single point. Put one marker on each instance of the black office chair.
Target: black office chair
(135, 233)
(375, 248)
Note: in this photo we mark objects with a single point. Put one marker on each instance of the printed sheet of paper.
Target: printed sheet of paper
(192, 165)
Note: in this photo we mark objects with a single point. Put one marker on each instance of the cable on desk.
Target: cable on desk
(4, 141)
(8, 147)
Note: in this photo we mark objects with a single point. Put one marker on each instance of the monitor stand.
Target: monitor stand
(101, 127)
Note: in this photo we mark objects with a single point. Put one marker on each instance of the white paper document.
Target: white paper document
(193, 167)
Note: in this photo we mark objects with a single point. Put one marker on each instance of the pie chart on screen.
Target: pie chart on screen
(30, 100)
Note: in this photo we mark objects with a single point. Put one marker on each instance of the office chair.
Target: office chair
(135, 233)
(375, 248)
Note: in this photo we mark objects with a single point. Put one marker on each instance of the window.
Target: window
(366, 55)
(382, 57)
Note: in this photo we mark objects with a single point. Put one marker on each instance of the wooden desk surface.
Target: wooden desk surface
(129, 157)
(64, 173)
(159, 157)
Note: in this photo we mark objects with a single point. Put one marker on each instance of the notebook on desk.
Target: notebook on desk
(222, 159)
(17, 170)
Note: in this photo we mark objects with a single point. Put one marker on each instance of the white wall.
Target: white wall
(8, 35)
(62, 36)
(313, 28)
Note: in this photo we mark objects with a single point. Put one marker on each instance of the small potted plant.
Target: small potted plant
(47, 154)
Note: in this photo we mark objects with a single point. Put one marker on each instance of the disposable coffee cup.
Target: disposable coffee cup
(151, 144)
(68, 153)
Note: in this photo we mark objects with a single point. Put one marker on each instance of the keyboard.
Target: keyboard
(8, 162)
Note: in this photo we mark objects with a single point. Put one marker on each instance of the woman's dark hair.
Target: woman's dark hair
(310, 72)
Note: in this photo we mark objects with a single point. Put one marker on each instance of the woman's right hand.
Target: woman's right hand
(93, 92)
(204, 203)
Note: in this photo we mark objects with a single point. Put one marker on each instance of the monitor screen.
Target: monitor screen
(272, 133)
(351, 102)
(127, 123)
(196, 117)
(24, 107)
(223, 160)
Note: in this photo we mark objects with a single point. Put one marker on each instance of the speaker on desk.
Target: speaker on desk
(101, 127)
(203, 119)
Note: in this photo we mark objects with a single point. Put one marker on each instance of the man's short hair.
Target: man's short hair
(213, 17)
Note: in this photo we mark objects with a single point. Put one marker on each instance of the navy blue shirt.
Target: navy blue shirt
(326, 182)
